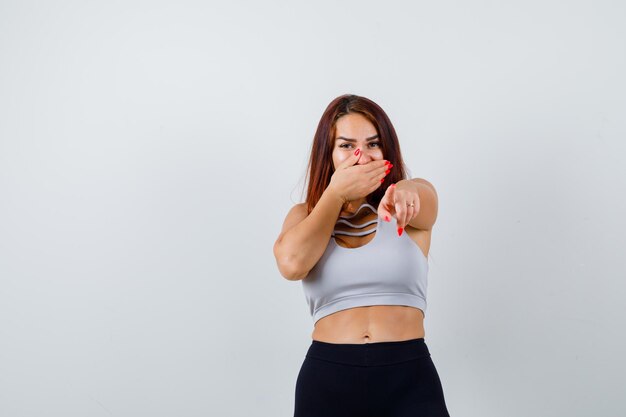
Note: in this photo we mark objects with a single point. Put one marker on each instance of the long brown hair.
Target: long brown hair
(320, 166)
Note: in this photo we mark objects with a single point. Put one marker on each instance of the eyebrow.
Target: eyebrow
(354, 140)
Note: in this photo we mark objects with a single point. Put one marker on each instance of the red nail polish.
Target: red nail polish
(387, 172)
(357, 151)
(387, 218)
(382, 180)
(400, 229)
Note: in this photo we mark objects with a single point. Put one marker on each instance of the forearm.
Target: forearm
(305, 243)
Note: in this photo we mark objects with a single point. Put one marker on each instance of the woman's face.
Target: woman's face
(354, 131)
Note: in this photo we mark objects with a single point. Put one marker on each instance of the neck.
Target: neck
(352, 206)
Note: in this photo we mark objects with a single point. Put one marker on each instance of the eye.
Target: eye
(346, 145)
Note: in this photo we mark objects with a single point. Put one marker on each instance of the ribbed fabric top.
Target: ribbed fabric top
(388, 270)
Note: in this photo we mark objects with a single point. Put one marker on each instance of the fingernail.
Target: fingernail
(387, 218)
(400, 229)
(387, 172)
(382, 180)
(357, 151)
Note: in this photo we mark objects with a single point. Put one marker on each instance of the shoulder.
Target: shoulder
(296, 214)
(426, 182)
(299, 210)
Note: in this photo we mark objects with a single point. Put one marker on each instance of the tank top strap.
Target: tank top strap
(344, 220)
(358, 210)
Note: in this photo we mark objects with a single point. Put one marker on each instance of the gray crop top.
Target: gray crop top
(389, 270)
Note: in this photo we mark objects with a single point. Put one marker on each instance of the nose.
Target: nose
(365, 158)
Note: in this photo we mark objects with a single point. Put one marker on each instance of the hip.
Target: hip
(384, 378)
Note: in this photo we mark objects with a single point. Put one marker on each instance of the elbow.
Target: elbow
(291, 271)
(293, 274)
(288, 267)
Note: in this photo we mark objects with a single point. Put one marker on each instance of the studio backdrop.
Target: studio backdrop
(150, 151)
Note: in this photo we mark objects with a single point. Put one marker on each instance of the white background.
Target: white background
(150, 150)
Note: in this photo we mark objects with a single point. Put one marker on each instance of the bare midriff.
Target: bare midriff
(377, 323)
(370, 324)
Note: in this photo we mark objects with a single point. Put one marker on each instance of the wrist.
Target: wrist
(334, 196)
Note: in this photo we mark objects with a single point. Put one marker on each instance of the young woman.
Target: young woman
(364, 274)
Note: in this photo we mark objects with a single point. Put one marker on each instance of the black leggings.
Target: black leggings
(383, 379)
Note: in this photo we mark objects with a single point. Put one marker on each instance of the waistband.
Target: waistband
(369, 354)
